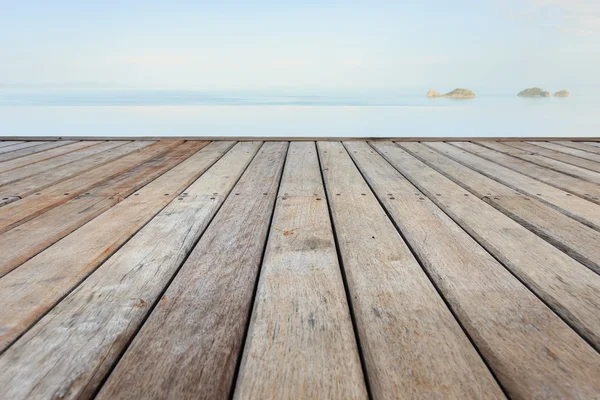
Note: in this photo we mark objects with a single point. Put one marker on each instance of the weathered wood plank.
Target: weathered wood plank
(45, 155)
(579, 145)
(40, 167)
(23, 210)
(412, 345)
(573, 206)
(18, 146)
(38, 233)
(587, 190)
(595, 144)
(11, 155)
(25, 291)
(33, 184)
(300, 341)
(69, 351)
(5, 143)
(568, 150)
(197, 332)
(557, 155)
(556, 165)
(574, 238)
(533, 352)
(567, 286)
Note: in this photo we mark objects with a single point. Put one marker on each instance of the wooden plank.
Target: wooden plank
(595, 144)
(32, 150)
(587, 190)
(25, 291)
(556, 155)
(5, 143)
(38, 233)
(574, 238)
(559, 166)
(568, 150)
(19, 146)
(70, 350)
(580, 209)
(45, 155)
(533, 352)
(578, 145)
(23, 210)
(411, 343)
(23, 172)
(35, 183)
(300, 341)
(563, 283)
(197, 332)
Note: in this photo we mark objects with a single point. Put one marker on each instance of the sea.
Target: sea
(134, 112)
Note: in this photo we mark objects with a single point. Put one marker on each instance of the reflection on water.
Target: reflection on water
(404, 116)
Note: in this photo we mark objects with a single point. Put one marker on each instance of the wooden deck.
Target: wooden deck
(360, 269)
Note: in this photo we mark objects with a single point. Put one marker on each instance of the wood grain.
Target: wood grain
(300, 343)
(25, 291)
(582, 210)
(18, 146)
(566, 285)
(559, 166)
(40, 167)
(197, 332)
(45, 155)
(587, 190)
(5, 143)
(533, 352)
(557, 155)
(25, 209)
(34, 183)
(568, 150)
(38, 233)
(581, 146)
(69, 351)
(25, 151)
(412, 345)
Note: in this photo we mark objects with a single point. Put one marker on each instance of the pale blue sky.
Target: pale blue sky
(489, 45)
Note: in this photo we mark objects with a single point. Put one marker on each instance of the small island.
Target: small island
(455, 94)
(562, 93)
(534, 92)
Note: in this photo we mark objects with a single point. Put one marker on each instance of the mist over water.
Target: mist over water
(34, 112)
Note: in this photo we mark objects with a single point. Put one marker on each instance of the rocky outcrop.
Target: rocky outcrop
(455, 94)
(534, 92)
(562, 93)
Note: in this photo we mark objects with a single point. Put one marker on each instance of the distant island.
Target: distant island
(534, 92)
(562, 93)
(455, 94)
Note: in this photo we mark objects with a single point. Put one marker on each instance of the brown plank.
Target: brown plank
(411, 343)
(18, 146)
(533, 352)
(33, 184)
(45, 155)
(568, 150)
(38, 233)
(40, 167)
(23, 210)
(72, 348)
(580, 209)
(563, 283)
(559, 166)
(300, 341)
(557, 155)
(197, 332)
(11, 155)
(25, 291)
(578, 145)
(587, 190)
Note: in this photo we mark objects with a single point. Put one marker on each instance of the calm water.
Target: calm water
(27, 112)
